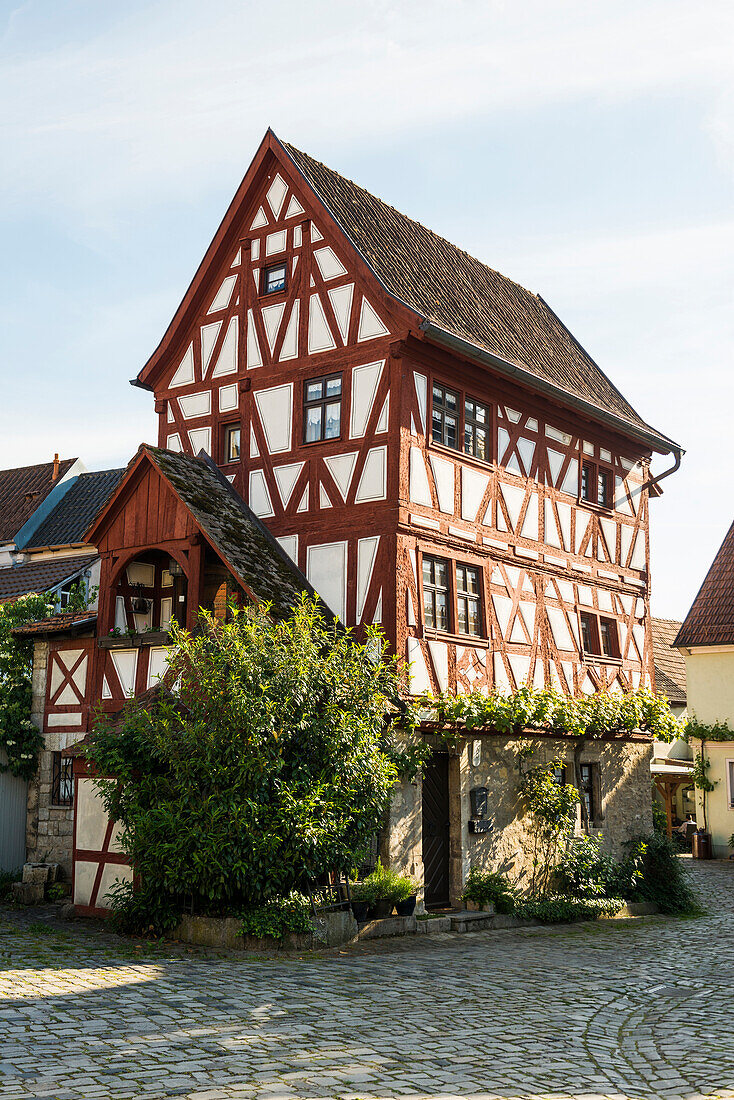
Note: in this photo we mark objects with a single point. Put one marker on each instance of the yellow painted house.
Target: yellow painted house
(706, 640)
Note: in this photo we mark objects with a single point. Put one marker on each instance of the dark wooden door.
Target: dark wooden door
(436, 831)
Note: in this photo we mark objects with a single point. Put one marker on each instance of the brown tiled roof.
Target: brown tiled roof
(21, 492)
(462, 296)
(670, 665)
(67, 524)
(710, 620)
(70, 623)
(39, 576)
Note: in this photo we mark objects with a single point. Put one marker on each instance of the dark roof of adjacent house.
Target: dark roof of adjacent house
(462, 296)
(235, 532)
(670, 665)
(72, 622)
(22, 490)
(710, 620)
(40, 576)
(71, 518)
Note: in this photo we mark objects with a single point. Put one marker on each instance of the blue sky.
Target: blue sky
(584, 149)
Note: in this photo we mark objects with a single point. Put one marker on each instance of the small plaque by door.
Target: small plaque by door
(436, 831)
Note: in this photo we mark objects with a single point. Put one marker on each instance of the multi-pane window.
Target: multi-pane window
(599, 635)
(62, 780)
(322, 408)
(596, 484)
(452, 597)
(468, 597)
(273, 279)
(476, 429)
(436, 593)
(445, 417)
(232, 443)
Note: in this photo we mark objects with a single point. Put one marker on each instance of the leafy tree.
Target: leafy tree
(19, 738)
(269, 762)
(551, 807)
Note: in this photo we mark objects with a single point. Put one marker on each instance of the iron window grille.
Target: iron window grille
(445, 417)
(273, 279)
(232, 443)
(322, 408)
(62, 780)
(476, 429)
(436, 593)
(468, 600)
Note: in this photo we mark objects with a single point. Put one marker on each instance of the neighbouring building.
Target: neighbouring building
(432, 450)
(672, 763)
(706, 640)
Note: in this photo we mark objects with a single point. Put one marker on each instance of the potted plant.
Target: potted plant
(362, 896)
(390, 889)
(484, 889)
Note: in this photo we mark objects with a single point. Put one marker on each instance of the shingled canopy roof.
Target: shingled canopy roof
(40, 576)
(70, 519)
(670, 665)
(22, 490)
(710, 620)
(71, 622)
(244, 544)
(461, 296)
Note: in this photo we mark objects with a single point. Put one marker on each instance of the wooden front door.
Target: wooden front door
(436, 831)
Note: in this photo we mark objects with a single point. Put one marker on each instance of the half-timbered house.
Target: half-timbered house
(432, 449)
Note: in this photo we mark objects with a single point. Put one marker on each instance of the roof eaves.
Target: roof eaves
(448, 339)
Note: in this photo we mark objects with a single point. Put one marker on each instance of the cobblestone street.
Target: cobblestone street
(614, 1009)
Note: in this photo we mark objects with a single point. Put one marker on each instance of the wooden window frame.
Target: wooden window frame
(596, 618)
(462, 396)
(477, 425)
(322, 402)
(592, 789)
(227, 429)
(596, 470)
(452, 602)
(263, 291)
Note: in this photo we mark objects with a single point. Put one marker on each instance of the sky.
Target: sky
(585, 149)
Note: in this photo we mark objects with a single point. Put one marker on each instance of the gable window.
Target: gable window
(452, 597)
(322, 408)
(468, 607)
(273, 279)
(599, 635)
(232, 443)
(445, 417)
(596, 484)
(62, 780)
(436, 593)
(476, 429)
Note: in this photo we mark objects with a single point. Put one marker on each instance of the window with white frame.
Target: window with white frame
(730, 782)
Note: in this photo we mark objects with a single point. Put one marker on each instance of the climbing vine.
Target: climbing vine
(693, 730)
(551, 807)
(589, 716)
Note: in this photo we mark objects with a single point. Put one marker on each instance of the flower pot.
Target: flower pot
(383, 908)
(406, 908)
(361, 911)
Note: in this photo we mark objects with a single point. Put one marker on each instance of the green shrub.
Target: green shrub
(7, 878)
(269, 765)
(659, 816)
(556, 909)
(141, 912)
(386, 884)
(483, 887)
(662, 881)
(585, 871)
(279, 917)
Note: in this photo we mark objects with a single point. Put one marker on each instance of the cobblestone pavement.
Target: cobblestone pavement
(618, 1010)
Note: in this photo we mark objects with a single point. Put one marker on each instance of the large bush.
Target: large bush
(266, 766)
(663, 880)
(20, 740)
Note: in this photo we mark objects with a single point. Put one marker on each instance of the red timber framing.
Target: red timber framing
(358, 512)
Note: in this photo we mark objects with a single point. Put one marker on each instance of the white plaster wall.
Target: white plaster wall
(710, 684)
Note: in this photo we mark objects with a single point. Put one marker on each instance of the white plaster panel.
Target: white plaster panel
(259, 497)
(503, 610)
(157, 664)
(366, 556)
(526, 449)
(421, 392)
(303, 502)
(227, 359)
(420, 492)
(85, 874)
(570, 482)
(63, 719)
(637, 560)
(564, 518)
(276, 194)
(326, 569)
(383, 419)
(418, 678)
(223, 295)
(365, 380)
(440, 660)
(319, 334)
(294, 208)
(560, 437)
(272, 316)
(513, 497)
(286, 478)
(530, 523)
(341, 468)
(111, 873)
(370, 325)
(501, 681)
(324, 499)
(520, 665)
(582, 523)
(185, 372)
(91, 816)
(609, 528)
(200, 440)
(443, 473)
(289, 349)
(275, 406)
(329, 263)
(228, 398)
(125, 662)
(341, 302)
(373, 482)
(473, 487)
(555, 462)
(503, 441)
(254, 355)
(290, 545)
(275, 243)
(196, 404)
(559, 628)
(260, 219)
(209, 335)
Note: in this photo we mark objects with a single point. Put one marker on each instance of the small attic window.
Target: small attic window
(273, 279)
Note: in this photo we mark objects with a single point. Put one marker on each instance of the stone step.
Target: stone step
(470, 920)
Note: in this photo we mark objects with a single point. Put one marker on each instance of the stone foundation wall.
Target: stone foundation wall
(623, 795)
